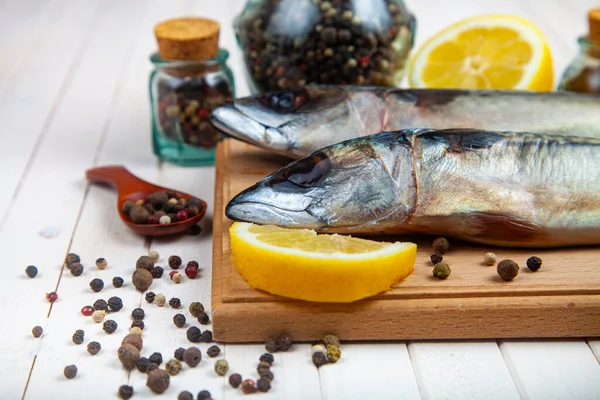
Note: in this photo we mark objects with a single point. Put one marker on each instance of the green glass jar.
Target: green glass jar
(583, 73)
(182, 94)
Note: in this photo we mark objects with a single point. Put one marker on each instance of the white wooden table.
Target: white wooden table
(73, 94)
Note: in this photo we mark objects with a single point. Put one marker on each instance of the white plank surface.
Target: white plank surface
(595, 346)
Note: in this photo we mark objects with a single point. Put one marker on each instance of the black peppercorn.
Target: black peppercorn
(76, 269)
(534, 263)
(157, 272)
(263, 385)
(319, 359)
(206, 336)
(37, 331)
(284, 342)
(78, 336)
(115, 303)
(196, 308)
(125, 392)
(93, 348)
(271, 346)
(267, 375)
(235, 380)
(213, 351)
(142, 364)
(175, 302)
(440, 245)
(175, 262)
(193, 334)
(158, 380)
(263, 366)
(192, 356)
(141, 279)
(185, 395)
(70, 371)
(72, 258)
(138, 323)
(100, 304)
(109, 326)
(507, 269)
(138, 313)
(31, 271)
(151, 367)
(178, 354)
(268, 358)
(203, 318)
(156, 358)
(204, 395)
(436, 258)
(117, 281)
(179, 320)
(97, 284)
(150, 297)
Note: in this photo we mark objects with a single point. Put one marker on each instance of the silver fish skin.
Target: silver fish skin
(504, 189)
(297, 122)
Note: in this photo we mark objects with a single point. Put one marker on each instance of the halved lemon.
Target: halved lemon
(300, 264)
(485, 52)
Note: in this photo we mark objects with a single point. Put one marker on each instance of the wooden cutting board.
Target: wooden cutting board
(562, 299)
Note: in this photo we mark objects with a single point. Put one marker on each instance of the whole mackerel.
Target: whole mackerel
(505, 189)
(297, 122)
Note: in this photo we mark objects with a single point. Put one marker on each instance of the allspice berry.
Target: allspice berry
(70, 371)
(489, 259)
(138, 214)
(135, 340)
(142, 279)
(507, 269)
(440, 245)
(37, 331)
(145, 262)
(173, 367)
(192, 356)
(158, 380)
(129, 356)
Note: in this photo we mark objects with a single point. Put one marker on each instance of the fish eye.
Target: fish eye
(309, 171)
(285, 101)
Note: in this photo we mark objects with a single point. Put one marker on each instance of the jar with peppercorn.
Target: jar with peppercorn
(190, 78)
(291, 43)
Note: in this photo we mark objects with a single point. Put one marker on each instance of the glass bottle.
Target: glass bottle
(583, 74)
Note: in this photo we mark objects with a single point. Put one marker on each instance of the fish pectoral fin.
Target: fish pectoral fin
(501, 227)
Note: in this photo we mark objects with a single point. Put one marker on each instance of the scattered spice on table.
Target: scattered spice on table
(98, 316)
(263, 385)
(150, 296)
(115, 303)
(507, 269)
(135, 330)
(94, 348)
(206, 336)
(213, 351)
(203, 318)
(267, 375)
(176, 276)
(87, 310)
(128, 355)
(141, 279)
(192, 356)
(333, 353)
(436, 258)
(179, 320)
(173, 367)
(185, 395)
(175, 262)
(142, 364)
(76, 269)
(271, 346)
(249, 387)
(37, 331)
(191, 271)
(193, 334)
(78, 336)
(440, 245)
(52, 297)
(331, 340)
(134, 340)
(144, 262)
(31, 271)
(158, 380)
(153, 254)
(235, 380)
(117, 281)
(441, 270)
(175, 302)
(319, 359)
(101, 263)
(157, 272)
(221, 367)
(156, 358)
(534, 263)
(196, 308)
(284, 342)
(138, 313)
(109, 326)
(72, 258)
(125, 392)
(101, 304)
(204, 395)
(178, 353)
(160, 300)
(97, 284)
(138, 323)
(70, 371)
(489, 259)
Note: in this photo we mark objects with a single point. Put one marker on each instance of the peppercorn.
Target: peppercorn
(97, 284)
(117, 281)
(221, 367)
(179, 320)
(178, 354)
(157, 272)
(192, 356)
(319, 359)
(283, 342)
(158, 380)
(534, 263)
(160, 300)
(176, 277)
(191, 271)
(203, 318)
(70, 371)
(138, 323)
(156, 358)
(440, 245)
(150, 297)
(441, 270)
(144, 262)
(101, 263)
(248, 387)
(174, 262)
(72, 258)
(109, 326)
(436, 258)
(194, 334)
(78, 336)
(193, 264)
(142, 279)
(507, 269)
(235, 380)
(206, 336)
(31, 271)
(262, 367)
(52, 297)
(271, 346)
(173, 367)
(154, 256)
(204, 395)
(126, 207)
(128, 355)
(135, 330)
(101, 304)
(185, 395)
(37, 331)
(213, 351)
(138, 214)
(489, 259)
(115, 303)
(135, 340)
(152, 367)
(93, 348)
(196, 308)
(138, 313)
(175, 302)
(98, 316)
(263, 385)
(268, 358)
(331, 340)
(125, 392)
(194, 230)
(142, 364)
(76, 269)
(87, 310)
(333, 353)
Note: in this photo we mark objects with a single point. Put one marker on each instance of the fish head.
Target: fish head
(288, 121)
(341, 188)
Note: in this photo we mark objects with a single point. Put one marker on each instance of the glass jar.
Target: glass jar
(583, 74)
(290, 43)
(182, 94)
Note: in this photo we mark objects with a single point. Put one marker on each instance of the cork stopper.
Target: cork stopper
(188, 39)
(594, 21)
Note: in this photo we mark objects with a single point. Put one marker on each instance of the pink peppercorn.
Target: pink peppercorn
(152, 220)
(182, 215)
(87, 310)
(51, 297)
(172, 273)
(203, 113)
(191, 271)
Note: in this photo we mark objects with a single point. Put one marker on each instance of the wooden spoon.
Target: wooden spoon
(132, 188)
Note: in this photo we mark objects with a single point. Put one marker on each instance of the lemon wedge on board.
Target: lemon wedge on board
(484, 52)
(300, 264)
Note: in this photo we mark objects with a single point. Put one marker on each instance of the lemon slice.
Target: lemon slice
(485, 52)
(300, 264)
